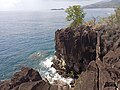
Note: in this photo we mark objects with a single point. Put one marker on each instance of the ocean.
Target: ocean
(27, 39)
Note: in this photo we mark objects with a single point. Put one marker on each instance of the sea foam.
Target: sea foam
(51, 74)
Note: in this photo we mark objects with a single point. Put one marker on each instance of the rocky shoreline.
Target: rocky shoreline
(91, 56)
(30, 79)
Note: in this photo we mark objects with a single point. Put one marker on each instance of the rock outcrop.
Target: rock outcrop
(29, 79)
(101, 75)
(92, 54)
(75, 49)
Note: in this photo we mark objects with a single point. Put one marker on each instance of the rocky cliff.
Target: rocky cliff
(76, 48)
(93, 55)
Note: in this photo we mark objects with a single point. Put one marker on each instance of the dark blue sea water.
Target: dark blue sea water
(27, 38)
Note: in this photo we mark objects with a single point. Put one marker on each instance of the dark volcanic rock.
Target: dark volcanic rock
(94, 55)
(25, 79)
(102, 75)
(25, 75)
(29, 79)
(110, 40)
(88, 80)
(5, 85)
(76, 48)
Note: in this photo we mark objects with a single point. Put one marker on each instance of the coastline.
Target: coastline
(83, 58)
(87, 52)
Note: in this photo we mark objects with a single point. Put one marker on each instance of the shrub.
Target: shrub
(113, 20)
(117, 14)
(76, 15)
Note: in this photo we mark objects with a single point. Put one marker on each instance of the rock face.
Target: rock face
(25, 75)
(110, 40)
(101, 75)
(76, 48)
(94, 55)
(29, 79)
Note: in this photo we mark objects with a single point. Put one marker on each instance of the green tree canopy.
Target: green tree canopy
(76, 15)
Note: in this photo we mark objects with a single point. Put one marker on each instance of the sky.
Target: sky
(39, 5)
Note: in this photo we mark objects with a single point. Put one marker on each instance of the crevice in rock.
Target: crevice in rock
(98, 72)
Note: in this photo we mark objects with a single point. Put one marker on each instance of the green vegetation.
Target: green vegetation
(76, 15)
(71, 74)
(117, 15)
(113, 20)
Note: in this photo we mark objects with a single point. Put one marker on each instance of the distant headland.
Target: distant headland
(104, 4)
(57, 9)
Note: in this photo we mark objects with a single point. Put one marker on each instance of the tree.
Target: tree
(76, 15)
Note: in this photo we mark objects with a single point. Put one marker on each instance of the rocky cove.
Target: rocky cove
(91, 56)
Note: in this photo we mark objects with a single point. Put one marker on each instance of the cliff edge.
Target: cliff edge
(91, 55)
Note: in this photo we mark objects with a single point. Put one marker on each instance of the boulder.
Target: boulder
(5, 85)
(25, 75)
(88, 80)
(30, 79)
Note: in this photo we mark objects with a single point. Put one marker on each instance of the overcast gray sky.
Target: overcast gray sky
(35, 5)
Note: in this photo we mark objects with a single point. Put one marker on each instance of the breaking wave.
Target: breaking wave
(50, 72)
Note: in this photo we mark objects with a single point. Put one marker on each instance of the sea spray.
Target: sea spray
(51, 74)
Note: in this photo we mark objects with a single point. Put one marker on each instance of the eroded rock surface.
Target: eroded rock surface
(75, 49)
(101, 75)
(29, 79)
(94, 55)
